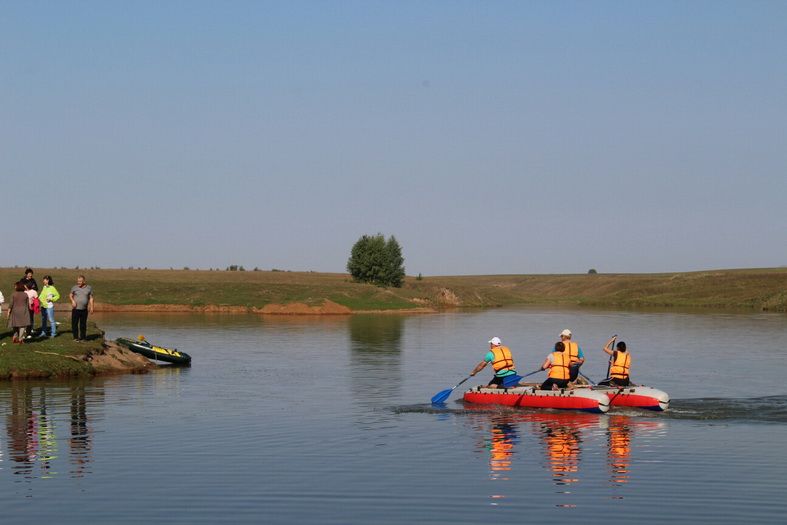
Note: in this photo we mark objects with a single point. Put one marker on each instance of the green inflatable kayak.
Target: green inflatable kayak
(157, 353)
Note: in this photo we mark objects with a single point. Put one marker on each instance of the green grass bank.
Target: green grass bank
(62, 357)
(742, 289)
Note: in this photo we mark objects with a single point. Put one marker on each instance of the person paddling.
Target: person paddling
(558, 365)
(502, 363)
(619, 364)
(575, 354)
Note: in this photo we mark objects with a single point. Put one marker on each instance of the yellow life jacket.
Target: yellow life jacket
(572, 350)
(559, 368)
(502, 359)
(621, 362)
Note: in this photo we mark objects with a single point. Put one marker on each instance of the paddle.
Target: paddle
(587, 378)
(441, 396)
(609, 363)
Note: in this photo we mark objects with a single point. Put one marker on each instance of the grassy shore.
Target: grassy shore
(45, 357)
(750, 289)
(62, 357)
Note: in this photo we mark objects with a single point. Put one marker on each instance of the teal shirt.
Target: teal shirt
(489, 357)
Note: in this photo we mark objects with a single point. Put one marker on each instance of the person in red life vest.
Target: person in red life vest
(502, 363)
(558, 365)
(619, 364)
(574, 352)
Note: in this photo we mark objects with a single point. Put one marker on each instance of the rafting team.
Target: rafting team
(562, 364)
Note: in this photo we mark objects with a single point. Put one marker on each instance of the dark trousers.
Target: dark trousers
(79, 321)
(573, 372)
(547, 385)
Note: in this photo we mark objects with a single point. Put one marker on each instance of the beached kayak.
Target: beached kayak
(583, 399)
(635, 396)
(157, 353)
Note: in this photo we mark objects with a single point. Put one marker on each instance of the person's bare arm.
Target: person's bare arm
(480, 366)
(90, 304)
(608, 346)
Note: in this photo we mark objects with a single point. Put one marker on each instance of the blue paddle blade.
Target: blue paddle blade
(440, 397)
(511, 381)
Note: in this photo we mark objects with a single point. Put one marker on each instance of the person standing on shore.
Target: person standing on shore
(30, 284)
(81, 305)
(35, 307)
(18, 312)
(48, 296)
(28, 280)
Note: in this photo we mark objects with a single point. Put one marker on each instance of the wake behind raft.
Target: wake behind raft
(597, 399)
(157, 353)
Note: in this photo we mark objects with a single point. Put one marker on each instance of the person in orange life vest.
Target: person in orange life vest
(557, 363)
(575, 353)
(619, 364)
(502, 363)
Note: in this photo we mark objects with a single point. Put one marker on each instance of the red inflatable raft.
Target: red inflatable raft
(583, 399)
(635, 396)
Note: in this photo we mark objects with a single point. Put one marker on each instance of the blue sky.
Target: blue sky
(489, 137)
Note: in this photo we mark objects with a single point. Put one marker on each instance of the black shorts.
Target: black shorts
(547, 385)
(499, 380)
(619, 382)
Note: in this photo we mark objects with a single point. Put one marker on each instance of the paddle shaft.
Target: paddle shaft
(445, 394)
(612, 347)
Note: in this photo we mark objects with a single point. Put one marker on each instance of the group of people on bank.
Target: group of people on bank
(27, 301)
(562, 364)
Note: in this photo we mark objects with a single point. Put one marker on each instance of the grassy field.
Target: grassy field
(751, 289)
(44, 357)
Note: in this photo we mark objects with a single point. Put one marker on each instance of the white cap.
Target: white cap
(565, 333)
(495, 341)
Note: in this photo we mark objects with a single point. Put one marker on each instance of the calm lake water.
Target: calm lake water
(327, 420)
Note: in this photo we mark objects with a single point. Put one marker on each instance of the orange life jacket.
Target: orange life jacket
(502, 359)
(621, 362)
(572, 350)
(559, 368)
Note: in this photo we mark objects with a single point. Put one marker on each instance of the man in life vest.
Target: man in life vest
(574, 352)
(502, 363)
(558, 364)
(619, 364)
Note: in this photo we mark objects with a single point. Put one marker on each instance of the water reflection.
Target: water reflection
(376, 360)
(619, 448)
(563, 438)
(80, 442)
(35, 415)
(501, 448)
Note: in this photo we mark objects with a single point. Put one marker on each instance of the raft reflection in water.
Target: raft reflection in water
(561, 438)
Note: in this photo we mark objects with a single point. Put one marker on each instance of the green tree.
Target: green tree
(377, 261)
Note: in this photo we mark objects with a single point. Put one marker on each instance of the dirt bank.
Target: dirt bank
(327, 308)
(115, 359)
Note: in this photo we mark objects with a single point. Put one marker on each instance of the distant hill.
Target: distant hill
(751, 289)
